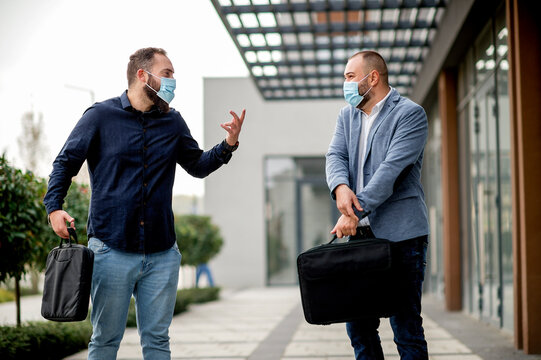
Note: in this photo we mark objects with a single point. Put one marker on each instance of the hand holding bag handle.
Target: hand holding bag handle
(72, 234)
(365, 214)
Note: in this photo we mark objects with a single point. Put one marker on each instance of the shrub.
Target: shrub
(198, 239)
(21, 220)
(200, 295)
(181, 304)
(44, 340)
(21, 215)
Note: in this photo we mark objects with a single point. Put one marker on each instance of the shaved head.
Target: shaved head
(373, 61)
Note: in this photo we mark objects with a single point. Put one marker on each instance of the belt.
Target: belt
(363, 232)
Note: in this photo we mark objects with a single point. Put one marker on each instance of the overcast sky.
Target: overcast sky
(49, 47)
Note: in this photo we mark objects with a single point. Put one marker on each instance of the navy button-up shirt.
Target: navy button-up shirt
(131, 159)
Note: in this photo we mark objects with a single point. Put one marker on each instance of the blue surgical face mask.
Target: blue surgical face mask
(167, 88)
(351, 92)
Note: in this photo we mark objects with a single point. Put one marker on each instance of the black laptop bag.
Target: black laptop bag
(68, 277)
(348, 281)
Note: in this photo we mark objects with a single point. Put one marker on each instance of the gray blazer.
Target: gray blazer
(393, 193)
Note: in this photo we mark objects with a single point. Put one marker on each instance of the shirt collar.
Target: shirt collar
(125, 101)
(126, 104)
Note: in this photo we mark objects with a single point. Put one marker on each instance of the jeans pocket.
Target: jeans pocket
(98, 246)
(176, 249)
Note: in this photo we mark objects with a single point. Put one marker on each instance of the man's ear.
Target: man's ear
(141, 75)
(374, 78)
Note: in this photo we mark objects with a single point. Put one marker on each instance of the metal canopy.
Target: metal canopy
(297, 49)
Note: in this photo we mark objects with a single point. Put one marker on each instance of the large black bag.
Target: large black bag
(68, 278)
(349, 281)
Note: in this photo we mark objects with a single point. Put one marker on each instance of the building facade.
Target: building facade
(478, 84)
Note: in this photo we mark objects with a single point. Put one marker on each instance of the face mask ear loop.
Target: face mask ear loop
(148, 72)
(151, 87)
(370, 86)
(367, 91)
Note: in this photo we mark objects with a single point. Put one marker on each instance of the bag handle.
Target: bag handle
(72, 234)
(332, 240)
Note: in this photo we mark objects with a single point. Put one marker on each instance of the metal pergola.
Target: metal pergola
(297, 49)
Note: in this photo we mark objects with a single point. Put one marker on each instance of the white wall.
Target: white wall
(234, 195)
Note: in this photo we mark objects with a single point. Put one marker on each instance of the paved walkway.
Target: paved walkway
(30, 310)
(268, 324)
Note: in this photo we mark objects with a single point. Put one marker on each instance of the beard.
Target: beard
(366, 98)
(161, 104)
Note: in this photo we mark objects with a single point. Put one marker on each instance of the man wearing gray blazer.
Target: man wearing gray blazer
(374, 174)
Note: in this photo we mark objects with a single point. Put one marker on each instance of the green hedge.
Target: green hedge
(185, 297)
(199, 295)
(45, 340)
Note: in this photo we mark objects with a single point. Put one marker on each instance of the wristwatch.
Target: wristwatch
(229, 147)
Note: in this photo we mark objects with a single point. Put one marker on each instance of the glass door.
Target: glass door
(317, 213)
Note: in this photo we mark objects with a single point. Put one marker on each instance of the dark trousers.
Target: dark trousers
(410, 258)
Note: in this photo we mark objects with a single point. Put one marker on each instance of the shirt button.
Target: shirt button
(146, 166)
(142, 223)
(145, 184)
(144, 130)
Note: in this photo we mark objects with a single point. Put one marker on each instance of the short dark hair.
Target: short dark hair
(374, 61)
(142, 59)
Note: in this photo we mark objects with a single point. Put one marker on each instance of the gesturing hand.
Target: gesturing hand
(233, 127)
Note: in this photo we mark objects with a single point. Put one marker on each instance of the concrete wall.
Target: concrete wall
(235, 194)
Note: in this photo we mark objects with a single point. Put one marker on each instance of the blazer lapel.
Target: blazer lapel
(389, 105)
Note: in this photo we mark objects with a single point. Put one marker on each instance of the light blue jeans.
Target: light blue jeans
(152, 279)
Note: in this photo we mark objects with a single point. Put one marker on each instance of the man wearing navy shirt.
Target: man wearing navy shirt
(132, 144)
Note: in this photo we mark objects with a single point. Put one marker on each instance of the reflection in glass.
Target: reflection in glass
(432, 185)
